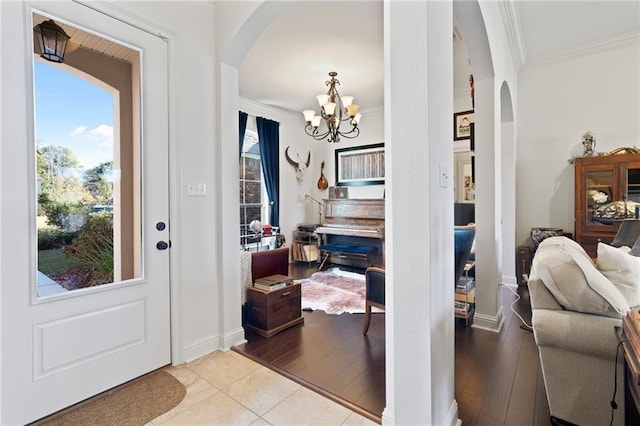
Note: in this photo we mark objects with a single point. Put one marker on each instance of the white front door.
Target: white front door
(59, 349)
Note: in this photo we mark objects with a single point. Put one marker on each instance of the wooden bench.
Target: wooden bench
(347, 250)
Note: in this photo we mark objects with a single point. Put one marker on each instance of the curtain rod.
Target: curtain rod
(257, 116)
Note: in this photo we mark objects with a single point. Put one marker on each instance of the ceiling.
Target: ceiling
(289, 64)
(86, 40)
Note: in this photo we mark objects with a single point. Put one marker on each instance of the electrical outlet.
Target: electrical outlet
(196, 189)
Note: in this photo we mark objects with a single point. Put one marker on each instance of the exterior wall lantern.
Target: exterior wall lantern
(52, 41)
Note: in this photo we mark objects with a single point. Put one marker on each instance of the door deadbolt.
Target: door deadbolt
(160, 226)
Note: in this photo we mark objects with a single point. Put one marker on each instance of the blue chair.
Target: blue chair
(375, 281)
(464, 236)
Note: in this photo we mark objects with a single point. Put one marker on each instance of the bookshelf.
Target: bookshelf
(305, 244)
(465, 295)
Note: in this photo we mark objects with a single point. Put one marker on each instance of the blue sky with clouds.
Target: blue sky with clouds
(74, 113)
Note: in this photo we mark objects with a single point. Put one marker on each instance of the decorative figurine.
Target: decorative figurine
(589, 143)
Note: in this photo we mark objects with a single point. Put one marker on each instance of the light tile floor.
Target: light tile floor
(226, 388)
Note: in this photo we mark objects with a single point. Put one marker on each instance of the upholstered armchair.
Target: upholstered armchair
(463, 240)
(374, 279)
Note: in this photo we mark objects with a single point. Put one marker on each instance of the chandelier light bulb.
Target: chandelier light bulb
(346, 101)
(315, 122)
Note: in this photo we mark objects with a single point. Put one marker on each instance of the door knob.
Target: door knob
(161, 245)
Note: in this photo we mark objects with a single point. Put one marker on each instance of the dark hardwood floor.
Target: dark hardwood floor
(498, 380)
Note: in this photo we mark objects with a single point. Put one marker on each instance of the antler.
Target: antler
(293, 163)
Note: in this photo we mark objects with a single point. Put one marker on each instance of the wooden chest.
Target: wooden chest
(272, 312)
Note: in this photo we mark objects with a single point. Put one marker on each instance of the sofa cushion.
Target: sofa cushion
(569, 243)
(622, 269)
(572, 278)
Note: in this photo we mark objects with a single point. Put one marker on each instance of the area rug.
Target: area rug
(335, 292)
(134, 403)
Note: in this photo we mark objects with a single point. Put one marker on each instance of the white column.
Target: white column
(229, 224)
(419, 213)
(488, 313)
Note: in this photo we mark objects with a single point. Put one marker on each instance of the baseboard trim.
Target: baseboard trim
(387, 416)
(233, 338)
(509, 280)
(452, 416)
(489, 323)
(201, 348)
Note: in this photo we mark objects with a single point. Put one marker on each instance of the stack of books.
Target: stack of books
(461, 308)
(273, 282)
(305, 253)
(464, 284)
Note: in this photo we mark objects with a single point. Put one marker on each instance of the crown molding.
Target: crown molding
(619, 42)
(511, 21)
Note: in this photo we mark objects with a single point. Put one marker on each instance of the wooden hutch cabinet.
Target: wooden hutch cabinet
(599, 181)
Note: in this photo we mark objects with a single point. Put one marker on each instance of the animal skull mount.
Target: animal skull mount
(298, 165)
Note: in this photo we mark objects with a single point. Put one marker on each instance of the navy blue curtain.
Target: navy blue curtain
(269, 137)
(243, 127)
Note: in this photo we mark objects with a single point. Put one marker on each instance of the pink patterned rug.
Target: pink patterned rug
(334, 292)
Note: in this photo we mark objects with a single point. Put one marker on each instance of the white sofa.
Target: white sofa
(577, 311)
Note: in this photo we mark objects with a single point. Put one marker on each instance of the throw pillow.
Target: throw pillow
(622, 269)
(573, 280)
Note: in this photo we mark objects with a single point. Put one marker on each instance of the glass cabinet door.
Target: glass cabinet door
(633, 182)
(599, 192)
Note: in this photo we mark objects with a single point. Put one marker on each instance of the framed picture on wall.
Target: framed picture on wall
(360, 165)
(462, 125)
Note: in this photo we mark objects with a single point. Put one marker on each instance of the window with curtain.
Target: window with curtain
(252, 188)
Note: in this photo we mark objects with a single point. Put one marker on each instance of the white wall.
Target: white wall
(194, 159)
(558, 102)
(371, 132)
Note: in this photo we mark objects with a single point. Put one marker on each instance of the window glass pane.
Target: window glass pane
(253, 170)
(599, 195)
(253, 213)
(250, 188)
(633, 181)
(87, 195)
(252, 192)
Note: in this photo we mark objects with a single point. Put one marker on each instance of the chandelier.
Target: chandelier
(334, 109)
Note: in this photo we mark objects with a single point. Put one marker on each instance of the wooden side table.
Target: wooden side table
(270, 312)
(523, 264)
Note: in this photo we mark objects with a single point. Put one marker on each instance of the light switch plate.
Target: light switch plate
(196, 189)
(444, 176)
